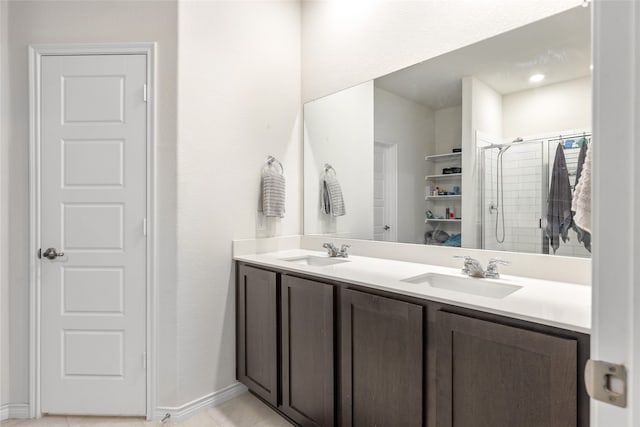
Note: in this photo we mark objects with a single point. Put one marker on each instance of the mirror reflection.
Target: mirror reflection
(481, 147)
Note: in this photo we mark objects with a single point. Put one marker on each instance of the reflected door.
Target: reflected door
(93, 207)
(384, 192)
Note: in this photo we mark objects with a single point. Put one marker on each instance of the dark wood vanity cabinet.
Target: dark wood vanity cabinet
(257, 331)
(327, 354)
(490, 374)
(307, 351)
(381, 357)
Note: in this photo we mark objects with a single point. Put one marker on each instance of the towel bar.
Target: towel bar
(271, 160)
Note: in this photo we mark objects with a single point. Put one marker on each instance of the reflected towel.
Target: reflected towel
(559, 216)
(272, 193)
(332, 200)
(582, 196)
(584, 236)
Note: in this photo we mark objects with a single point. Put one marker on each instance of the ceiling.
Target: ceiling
(558, 47)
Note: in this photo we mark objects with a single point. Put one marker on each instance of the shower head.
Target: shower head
(505, 147)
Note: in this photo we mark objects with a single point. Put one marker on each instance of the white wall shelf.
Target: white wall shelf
(442, 220)
(443, 176)
(448, 157)
(447, 197)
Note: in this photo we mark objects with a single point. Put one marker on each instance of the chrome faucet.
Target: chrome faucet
(334, 252)
(472, 266)
(492, 268)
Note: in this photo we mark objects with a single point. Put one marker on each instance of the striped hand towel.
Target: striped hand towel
(272, 193)
(332, 200)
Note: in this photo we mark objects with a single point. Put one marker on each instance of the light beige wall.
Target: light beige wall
(50, 21)
(239, 101)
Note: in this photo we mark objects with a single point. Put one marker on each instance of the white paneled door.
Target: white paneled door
(384, 192)
(93, 181)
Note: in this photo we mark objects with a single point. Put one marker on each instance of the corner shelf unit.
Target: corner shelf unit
(438, 203)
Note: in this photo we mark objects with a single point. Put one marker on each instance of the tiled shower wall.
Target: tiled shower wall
(526, 180)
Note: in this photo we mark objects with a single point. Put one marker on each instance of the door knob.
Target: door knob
(386, 227)
(52, 253)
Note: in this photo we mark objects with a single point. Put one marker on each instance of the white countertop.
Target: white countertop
(559, 304)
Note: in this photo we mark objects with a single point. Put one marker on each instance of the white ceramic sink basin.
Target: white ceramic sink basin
(315, 261)
(492, 288)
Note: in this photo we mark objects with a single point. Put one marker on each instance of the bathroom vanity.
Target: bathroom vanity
(367, 341)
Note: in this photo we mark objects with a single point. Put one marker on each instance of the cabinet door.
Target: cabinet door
(307, 351)
(500, 376)
(381, 361)
(257, 337)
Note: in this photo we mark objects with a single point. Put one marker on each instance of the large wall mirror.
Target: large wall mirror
(459, 150)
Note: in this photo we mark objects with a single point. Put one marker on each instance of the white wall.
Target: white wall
(448, 129)
(411, 127)
(81, 22)
(481, 112)
(5, 368)
(339, 130)
(239, 101)
(551, 108)
(348, 42)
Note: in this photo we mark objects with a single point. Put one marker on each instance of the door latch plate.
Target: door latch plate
(606, 382)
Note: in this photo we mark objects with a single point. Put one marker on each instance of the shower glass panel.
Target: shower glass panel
(513, 196)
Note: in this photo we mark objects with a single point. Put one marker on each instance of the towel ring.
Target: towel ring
(328, 167)
(271, 160)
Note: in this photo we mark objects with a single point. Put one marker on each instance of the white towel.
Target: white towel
(331, 195)
(272, 193)
(581, 203)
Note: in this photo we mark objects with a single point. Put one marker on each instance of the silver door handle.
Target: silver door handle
(52, 253)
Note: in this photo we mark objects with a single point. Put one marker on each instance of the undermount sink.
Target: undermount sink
(468, 285)
(315, 261)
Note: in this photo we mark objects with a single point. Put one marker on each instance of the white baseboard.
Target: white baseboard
(210, 400)
(14, 410)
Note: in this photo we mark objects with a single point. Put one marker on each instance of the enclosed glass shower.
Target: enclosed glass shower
(514, 185)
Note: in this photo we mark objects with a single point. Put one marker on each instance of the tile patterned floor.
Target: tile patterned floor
(243, 411)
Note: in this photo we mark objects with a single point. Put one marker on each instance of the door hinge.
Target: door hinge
(144, 360)
(144, 226)
(144, 92)
(606, 382)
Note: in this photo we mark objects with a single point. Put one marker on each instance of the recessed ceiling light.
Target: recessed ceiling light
(536, 78)
(591, 67)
